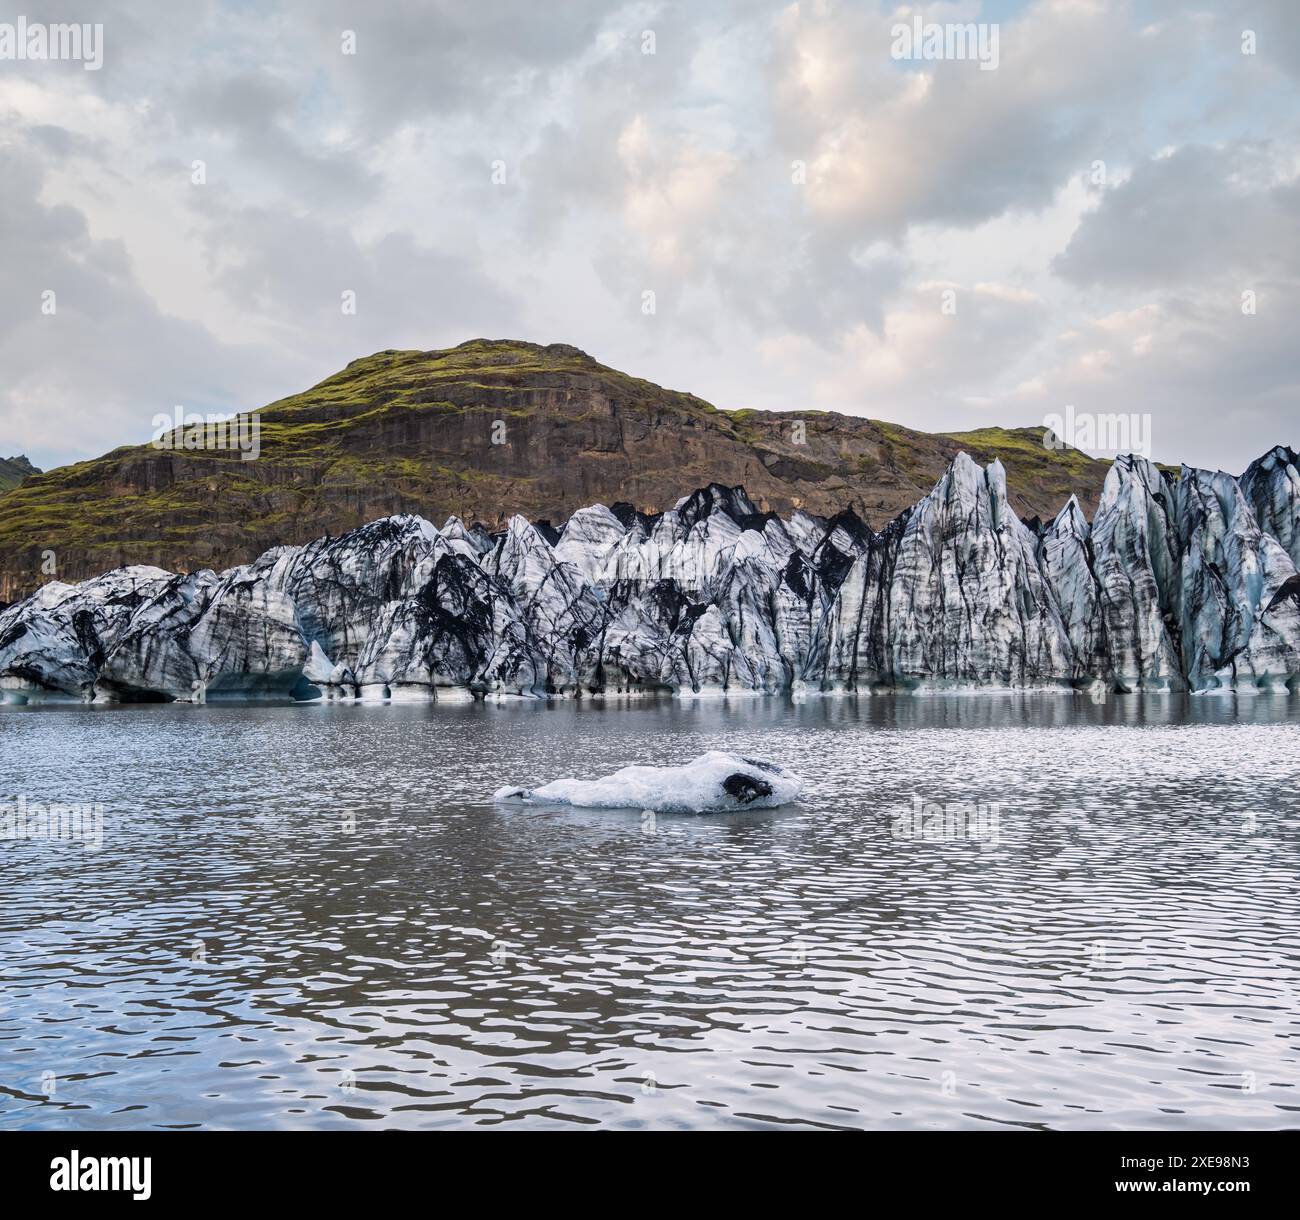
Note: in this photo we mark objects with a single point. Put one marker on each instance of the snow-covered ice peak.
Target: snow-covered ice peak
(471, 542)
(1070, 520)
(588, 538)
(1271, 485)
(715, 498)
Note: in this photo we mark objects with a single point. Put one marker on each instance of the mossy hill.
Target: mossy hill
(485, 430)
(13, 470)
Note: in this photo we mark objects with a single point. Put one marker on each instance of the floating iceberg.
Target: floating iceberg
(716, 781)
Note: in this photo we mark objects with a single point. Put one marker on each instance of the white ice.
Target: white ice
(696, 787)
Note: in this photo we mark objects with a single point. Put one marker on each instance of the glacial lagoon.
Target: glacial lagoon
(989, 910)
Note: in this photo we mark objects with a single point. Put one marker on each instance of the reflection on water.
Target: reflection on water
(310, 916)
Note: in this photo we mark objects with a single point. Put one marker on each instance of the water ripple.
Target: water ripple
(315, 917)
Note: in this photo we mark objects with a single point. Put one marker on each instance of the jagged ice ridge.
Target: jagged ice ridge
(1185, 583)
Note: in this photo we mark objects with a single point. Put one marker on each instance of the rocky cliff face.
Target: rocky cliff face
(484, 431)
(1177, 583)
(13, 470)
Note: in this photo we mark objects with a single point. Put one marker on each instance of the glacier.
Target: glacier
(1182, 581)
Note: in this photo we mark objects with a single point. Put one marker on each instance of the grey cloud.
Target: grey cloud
(416, 59)
(256, 114)
(92, 375)
(291, 270)
(758, 255)
(58, 143)
(1221, 387)
(967, 145)
(1273, 22)
(1198, 214)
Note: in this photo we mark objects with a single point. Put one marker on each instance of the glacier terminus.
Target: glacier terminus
(1182, 581)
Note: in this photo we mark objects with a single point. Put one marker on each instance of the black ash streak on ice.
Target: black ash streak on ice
(1188, 583)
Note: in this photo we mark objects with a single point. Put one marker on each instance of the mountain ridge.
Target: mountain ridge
(414, 431)
(13, 470)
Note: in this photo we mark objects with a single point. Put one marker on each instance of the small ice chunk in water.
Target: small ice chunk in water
(713, 782)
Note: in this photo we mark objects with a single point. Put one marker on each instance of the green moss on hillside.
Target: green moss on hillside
(411, 431)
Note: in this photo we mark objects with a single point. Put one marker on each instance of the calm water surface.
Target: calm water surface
(310, 916)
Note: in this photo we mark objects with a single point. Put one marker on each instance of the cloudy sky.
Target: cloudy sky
(823, 225)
